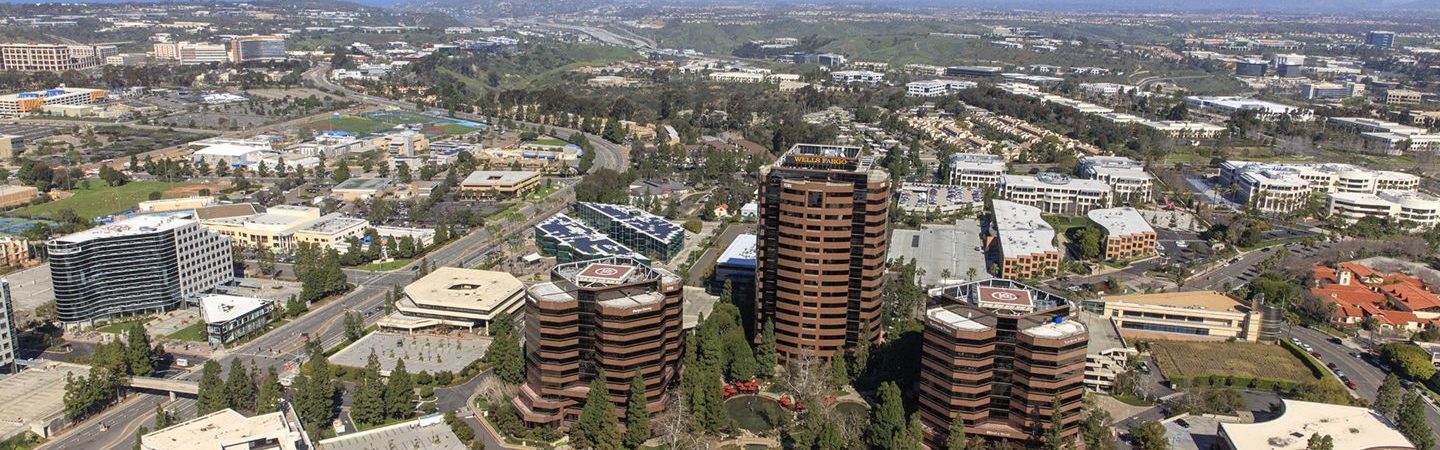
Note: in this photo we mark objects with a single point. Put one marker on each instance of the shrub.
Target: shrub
(693, 226)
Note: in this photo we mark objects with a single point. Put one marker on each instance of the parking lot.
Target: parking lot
(943, 198)
(430, 353)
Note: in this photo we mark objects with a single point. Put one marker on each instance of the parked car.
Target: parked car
(1350, 384)
(1332, 366)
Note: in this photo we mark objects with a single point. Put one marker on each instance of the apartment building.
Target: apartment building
(456, 297)
(1026, 242)
(613, 315)
(1126, 177)
(53, 57)
(1285, 187)
(999, 354)
(1417, 208)
(649, 234)
(144, 264)
(1127, 234)
(823, 233)
(14, 251)
(977, 170)
(1056, 193)
(1195, 315)
(18, 104)
(257, 48)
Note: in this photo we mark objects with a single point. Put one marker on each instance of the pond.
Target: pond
(856, 409)
(754, 413)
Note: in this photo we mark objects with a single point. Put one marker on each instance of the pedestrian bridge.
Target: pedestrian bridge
(173, 386)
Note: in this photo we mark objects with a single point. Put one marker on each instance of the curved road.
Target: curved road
(608, 155)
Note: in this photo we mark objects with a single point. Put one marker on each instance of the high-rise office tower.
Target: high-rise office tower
(257, 48)
(8, 345)
(614, 315)
(823, 233)
(1000, 354)
(144, 264)
(1384, 39)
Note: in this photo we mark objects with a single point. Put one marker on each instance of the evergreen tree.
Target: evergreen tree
(342, 172)
(138, 351)
(1053, 440)
(399, 392)
(637, 417)
(162, 417)
(956, 441)
(1320, 442)
(839, 371)
(742, 358)
(765, 357)
(268, 398)
(211, 395)
(914, 436)
(1387, 401)
(887, 422)
(505, 354)
(860, 363)
(315, 397)
(597, 428)
(239, 388)
(1412, 422)
(368, 405)
(712, 390)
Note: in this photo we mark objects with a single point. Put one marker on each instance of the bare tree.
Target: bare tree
(495, 390)
(673, 426)
(805, 377)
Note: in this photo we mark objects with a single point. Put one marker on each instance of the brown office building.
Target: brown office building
(821, 248)
(998, 353)
(611, 314)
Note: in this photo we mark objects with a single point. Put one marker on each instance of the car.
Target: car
(1295, 340)
(1332, 366)
(1337, 341)
(1351, 385)
(1341, 375)
(1144, 368)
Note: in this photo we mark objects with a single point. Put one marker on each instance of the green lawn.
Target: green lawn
(193, 333)
(350, 124)
(117, 327)
(99, 200)
(386, 266)
(550, 140)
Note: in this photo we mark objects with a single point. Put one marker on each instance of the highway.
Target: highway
(115, 428)
(608, 155)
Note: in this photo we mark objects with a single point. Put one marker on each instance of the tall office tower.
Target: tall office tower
(611, 314)
(257, 48)
(144, 264)
(1380, 38)
(999, 354)
(8, 345)
(823, 234)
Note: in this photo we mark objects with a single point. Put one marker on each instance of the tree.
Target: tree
(138, 351)
(399, 392)
(1096, 430)
(860, 362)
(1387, 401)
(505, 355)
(239, 388)
(1412, 422)
(341, 173)
(368, 405)
(887, 424)
(162, 417)
(597, 427)
(839, 370)
(354, 325)
(765, 356)
(956, 437)
(1411, 360)
(268, 398)
(1151, 436)
(1053, 439)
(1320, 442)
(211, 395)
(315, 391)
(637, 416)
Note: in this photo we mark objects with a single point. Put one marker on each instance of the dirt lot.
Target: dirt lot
(1241, 359)
(194, 189)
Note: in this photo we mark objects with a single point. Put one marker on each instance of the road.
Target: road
(602, 35)
(1367, 378)
(116, 427)
(608, 155)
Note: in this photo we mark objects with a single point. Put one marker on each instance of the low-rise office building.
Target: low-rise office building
(570, 240)
(144, 264)
(257, 48)
(500, 183)
(15, 105)
(229, 317)
(612, 315)
(1350, 427)
(1401, 97)
(856, 76)
(998, 355)
(229, 430)
(33, 57)
(1282, 188)
(936, 88)
(977, 170)
(360, 189)
(1330, 91)
(1127, 234)
(455, 297)
(1184, 128)
(1026, 242)
(1267, 110)
(1056, 193)
(1126, 177)
(1417, 208)
(282, 228)
(649, 234)
(330, 230)
(176, 204)
(14, 251)
(1195, 315)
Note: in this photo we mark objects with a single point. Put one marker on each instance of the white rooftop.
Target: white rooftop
(224, 429)
(497, 177)
(1122, 221)
(1054, 181)
(220, 308)
(1022, 231)
(1056, 330)
(1352, 427)
(465, 289)
(229, 150)
(953, 320)
(149, 223)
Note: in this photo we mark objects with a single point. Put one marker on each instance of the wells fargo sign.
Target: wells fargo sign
(825, 160)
